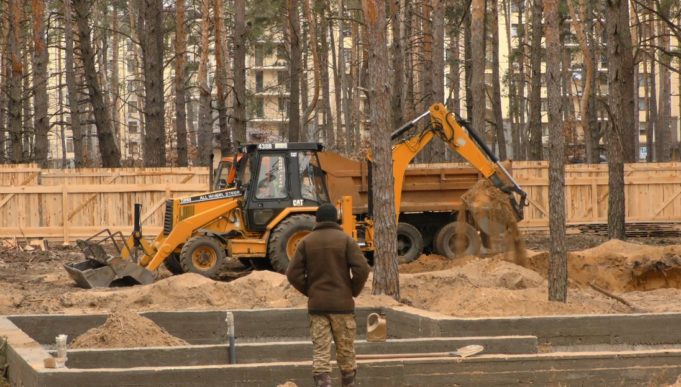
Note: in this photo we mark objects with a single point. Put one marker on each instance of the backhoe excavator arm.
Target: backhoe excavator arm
(462, 139)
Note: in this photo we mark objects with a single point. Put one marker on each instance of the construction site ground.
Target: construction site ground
(641, 275)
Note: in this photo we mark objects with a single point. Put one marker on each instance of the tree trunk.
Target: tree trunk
(115, 78)
(650, 104)
(478, 86)
(16, 73)
(535, 146)
(27, 131)
(615, 117)
(329, 135)
(386, 276)
(221, 64)
(588, 75)
(180, 98)
(468, 63)
(60, 108)
(496, 80)
(205, 143)
(337, 83)
(663, 125)
(557, 276)
(154, 101)
(72, 88)
(295, 69)
(397, 57)
(4, 75)
(312, 43)
(438, 74)
(111, 156)
(41, 120)
(629, 117)
(240, 39)
(592, 113)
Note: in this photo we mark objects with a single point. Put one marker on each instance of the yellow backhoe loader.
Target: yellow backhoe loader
(268, 206)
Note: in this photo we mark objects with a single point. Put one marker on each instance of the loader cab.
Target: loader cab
(278, 176)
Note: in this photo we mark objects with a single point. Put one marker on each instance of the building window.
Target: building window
(514, 30)
(259, 55)
(69, 145)
(134, 148)
(131, 65)
(282, 78)
(283, 104)
(347, 30)
(132, 107)
(132, 127)
(642, 104)
(544, 105)
(258, 82)
(282, 55)
(131, 86)
(259, 108)
(517, 5)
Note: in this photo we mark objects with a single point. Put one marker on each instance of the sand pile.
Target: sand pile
(124, 329)
(494, 287)
(260, 289)
(620, 266)
(433, 262)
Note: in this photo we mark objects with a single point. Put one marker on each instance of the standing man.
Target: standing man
(330, 269)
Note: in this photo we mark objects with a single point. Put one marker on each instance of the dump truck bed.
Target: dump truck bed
(427, 187)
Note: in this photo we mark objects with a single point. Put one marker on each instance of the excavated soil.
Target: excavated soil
(124, 329)
(620, 266)
(485, 201)
(646, 276)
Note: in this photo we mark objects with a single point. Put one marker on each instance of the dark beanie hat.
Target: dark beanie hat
(327, 213)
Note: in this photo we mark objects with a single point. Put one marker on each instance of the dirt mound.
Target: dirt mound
(260, 289)
(433, 262)
(124, 329)
(492, 211)
(620, 266)
(494, 287)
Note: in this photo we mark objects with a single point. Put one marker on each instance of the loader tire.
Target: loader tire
(203, 255)
(172, 263)
(285, 238)
(409, 242)
(446, 239)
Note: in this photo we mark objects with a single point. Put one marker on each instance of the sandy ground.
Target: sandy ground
(649, 277)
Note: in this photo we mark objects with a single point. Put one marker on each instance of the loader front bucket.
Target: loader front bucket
(101, 267)
(94, 274)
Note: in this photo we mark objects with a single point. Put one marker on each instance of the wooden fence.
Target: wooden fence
(69, 204)
(652, 192)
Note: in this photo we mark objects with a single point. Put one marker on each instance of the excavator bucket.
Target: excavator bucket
(100, 269)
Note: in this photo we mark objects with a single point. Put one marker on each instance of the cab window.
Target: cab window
(271, 178)
(311, 178)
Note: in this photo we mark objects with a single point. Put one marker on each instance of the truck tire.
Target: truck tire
(203, 255)
(445, 240)
(285, 238)
(172, 263)
(409, 242)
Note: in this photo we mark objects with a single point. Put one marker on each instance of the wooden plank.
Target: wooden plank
(65, 220)
(91, 198)
(23, 183)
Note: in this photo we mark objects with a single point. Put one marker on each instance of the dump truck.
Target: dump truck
(267, 206)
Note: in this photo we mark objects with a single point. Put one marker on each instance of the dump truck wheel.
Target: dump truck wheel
(446, 240)
(203, 255)
(409, 242)
(172, 263)
(285, 239)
